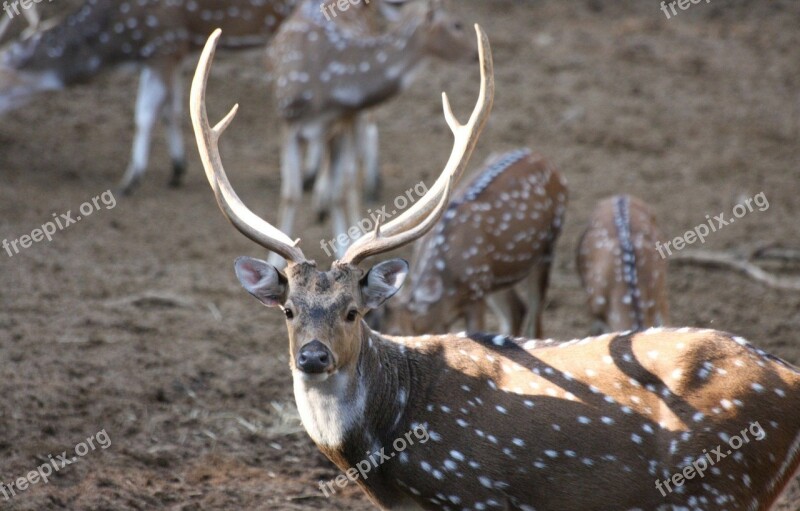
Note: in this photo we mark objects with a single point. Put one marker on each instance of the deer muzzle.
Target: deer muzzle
(315, 358)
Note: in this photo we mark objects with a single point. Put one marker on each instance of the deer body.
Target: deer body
(620, 267)
(500, 230)
(155, 34)
(326, 76)
(586, 424)
(589, 424)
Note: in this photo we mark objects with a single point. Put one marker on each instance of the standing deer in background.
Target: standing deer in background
(325, 76)
(603, 423)
(158, 35)
(499, 231)
(620, 268)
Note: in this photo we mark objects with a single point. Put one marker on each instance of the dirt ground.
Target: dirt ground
(132, 320)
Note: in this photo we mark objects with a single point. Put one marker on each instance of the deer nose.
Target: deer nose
(314, 358)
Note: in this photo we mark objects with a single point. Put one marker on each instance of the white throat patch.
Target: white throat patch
(325, 408)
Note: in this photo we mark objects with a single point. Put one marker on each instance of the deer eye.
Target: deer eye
(288, 312)
(352, 315)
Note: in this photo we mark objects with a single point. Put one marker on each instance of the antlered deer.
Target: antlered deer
(620, 268)
(586, 424)
(158, 35)
(326, 75)
(499, 231)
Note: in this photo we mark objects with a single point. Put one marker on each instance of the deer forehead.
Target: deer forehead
(320, 292)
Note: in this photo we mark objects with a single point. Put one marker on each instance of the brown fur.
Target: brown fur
(476, 250)
(616, 303)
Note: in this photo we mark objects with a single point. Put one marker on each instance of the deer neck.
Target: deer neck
(358, 408)
(405, 49)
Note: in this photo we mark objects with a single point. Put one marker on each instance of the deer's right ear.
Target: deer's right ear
(262, 280)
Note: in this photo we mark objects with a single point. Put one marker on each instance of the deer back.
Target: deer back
(620, 267)
(104, 33)
(331, 67)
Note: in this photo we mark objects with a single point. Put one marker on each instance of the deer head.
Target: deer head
(448, 38)
(324, 309)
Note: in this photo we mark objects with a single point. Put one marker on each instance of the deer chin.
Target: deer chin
(314, 377)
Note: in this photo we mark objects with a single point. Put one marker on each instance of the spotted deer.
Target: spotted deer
(154, 34)
(327, 76)
(620, 268)
(499, 231)
(665, 419)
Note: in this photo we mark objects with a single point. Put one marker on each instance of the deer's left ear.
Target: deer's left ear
(383, 281)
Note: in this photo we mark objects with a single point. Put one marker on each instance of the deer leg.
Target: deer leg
(321, 196)
(291, 185)
(315, 151)
(368, 150)
(152, 95)
(536, 287)
(32, 16)
(509, 309)
(662, 314)
(474, 317)
(177, 152)
(352, 177)
(5, 22)
(342, 170)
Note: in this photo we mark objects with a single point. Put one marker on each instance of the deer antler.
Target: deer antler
(247, 222)
(421, 217)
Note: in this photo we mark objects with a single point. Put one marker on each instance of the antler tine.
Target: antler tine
(381, 244)
(423, 215)
(247, 222)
